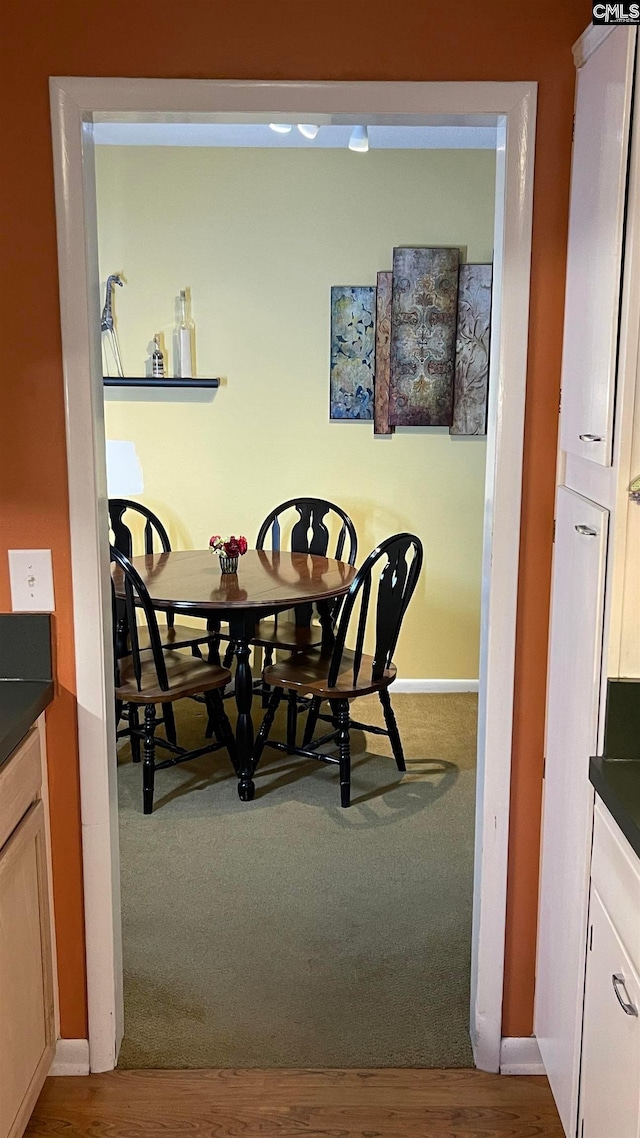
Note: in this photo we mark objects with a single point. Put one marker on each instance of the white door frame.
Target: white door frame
(75, 104)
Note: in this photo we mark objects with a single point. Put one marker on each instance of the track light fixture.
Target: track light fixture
(308, 130)
(280, 127)
(359, 140)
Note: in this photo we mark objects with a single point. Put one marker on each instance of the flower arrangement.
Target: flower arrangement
(228, 546)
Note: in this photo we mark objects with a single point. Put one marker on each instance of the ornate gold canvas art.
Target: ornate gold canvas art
(423, 327)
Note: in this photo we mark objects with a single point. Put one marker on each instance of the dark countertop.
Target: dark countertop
(616, 774)
(617, 782)
(21, 702)
(26, 683)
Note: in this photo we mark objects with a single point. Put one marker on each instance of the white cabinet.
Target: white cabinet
(610, 1074)
(594, 254)
(599, 370)
(572, 721)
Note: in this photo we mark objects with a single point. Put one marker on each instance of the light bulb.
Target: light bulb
(308, 130)
(359, 140)
(280, 127)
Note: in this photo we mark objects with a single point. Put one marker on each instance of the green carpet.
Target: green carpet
(287, 932)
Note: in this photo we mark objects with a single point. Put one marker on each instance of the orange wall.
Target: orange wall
(281, 39)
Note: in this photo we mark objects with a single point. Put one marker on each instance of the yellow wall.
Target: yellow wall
(259, 236)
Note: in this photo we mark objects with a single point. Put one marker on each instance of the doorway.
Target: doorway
(508, 108)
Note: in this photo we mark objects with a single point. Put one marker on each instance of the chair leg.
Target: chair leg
(267, 723)
(344, 746)
(213, 625)
(266, 688)
(222, 727)
(292, 719)
(148, 766)
(212, 727)
(312, 719)
(229, 654)
(119, 706)
(169, 722)
(134, 723)
(392, 728)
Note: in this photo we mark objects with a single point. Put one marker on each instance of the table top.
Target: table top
(190, 580)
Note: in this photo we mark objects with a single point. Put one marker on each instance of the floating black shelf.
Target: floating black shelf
(149, 381)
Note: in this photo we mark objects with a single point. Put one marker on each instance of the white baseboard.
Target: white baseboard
(520, 1056)
(71, 1058)
(413, 687)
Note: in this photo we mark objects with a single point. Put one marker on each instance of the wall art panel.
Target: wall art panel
(471, 377)
(352, 351)
(423, 327)
(381, 424)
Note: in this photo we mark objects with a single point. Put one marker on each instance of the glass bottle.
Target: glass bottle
(157, 360)
(185, 339)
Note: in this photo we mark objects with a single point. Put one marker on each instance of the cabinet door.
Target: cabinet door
(610, 1076)
(594, 254)
(26, 984)
(572, 719)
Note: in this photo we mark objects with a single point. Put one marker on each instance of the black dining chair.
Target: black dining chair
(155, 539)
(151, 677)
(173, 637)
(301, 525)
(344, 674)
(317, 522)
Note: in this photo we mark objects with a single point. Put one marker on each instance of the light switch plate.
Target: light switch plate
(31, 576)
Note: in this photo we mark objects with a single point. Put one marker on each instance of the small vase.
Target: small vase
(228, 564)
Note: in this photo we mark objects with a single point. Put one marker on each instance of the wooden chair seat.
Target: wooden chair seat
(286, 634)
(187, 675)
(307, 673)
(180, 636)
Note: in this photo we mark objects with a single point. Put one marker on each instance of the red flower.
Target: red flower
(231, 546)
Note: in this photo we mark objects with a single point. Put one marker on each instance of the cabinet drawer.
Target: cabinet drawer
(615, 873)
(20, 781)
(610, 1074)
(26, 974)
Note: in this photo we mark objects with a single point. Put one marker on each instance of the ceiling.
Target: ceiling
(259, 135)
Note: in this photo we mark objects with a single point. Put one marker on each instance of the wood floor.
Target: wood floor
(335, 1104)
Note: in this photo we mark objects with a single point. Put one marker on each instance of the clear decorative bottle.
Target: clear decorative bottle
(185, 339)
(157, 360)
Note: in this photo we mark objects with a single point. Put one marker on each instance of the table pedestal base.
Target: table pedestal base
(244, 696)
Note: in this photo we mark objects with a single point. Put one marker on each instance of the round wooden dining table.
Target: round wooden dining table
(267, 582)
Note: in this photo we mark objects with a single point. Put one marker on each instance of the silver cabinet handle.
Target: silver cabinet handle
(591, 438)
(618, 983)
(587, 531)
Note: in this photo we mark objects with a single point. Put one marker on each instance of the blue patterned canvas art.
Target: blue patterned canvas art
(353, 344)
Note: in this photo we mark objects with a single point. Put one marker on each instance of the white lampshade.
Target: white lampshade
(124, 472)
(280, 127)
(359, 140)
(308, 130)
